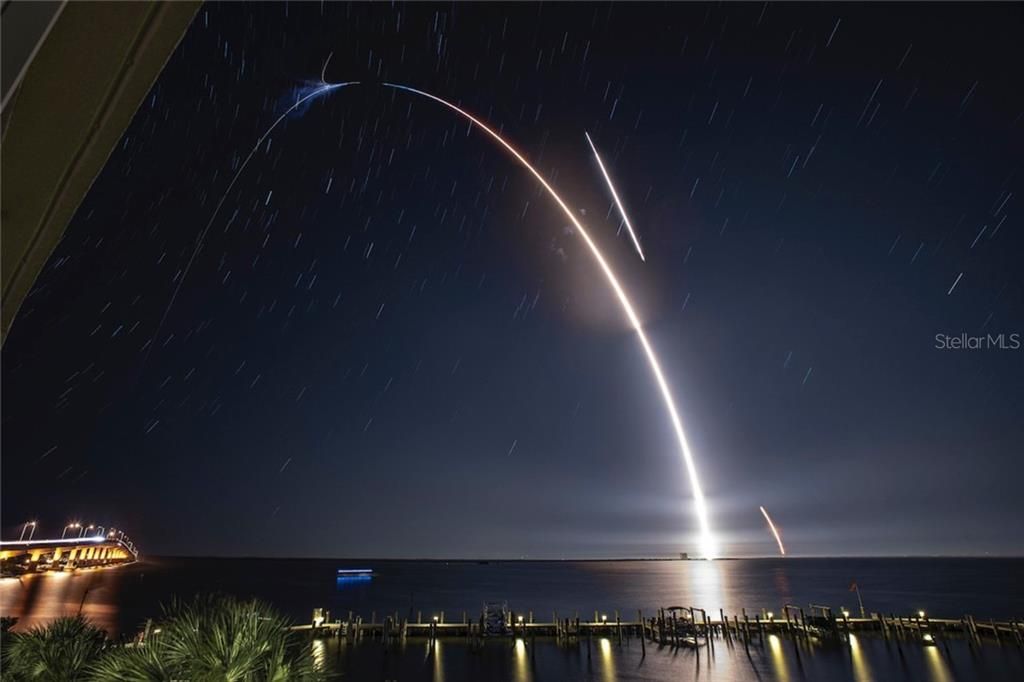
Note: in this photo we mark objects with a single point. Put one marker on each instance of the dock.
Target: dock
(674, 626)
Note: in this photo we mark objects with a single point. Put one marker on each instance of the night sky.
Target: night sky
(392, 344)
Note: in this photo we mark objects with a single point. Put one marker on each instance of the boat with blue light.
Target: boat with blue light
(354, 574)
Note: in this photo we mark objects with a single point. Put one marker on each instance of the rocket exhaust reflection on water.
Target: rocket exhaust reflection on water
(775, 532)
(707, 543)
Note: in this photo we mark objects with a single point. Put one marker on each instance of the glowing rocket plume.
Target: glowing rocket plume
(707, 543)
(615, 196)
(775, 532)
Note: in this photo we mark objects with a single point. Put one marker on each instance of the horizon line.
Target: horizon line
(788, 557)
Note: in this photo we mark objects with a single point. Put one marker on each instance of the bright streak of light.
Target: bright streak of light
(615, 196)
(707, 542)
(775, 531)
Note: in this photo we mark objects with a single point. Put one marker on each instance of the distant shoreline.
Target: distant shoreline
(578, 561)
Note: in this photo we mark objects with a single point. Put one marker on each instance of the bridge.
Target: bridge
(112, 548)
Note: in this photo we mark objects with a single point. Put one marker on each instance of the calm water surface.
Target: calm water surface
(121, 599)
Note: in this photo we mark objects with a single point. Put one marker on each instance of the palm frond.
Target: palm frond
(63, 650)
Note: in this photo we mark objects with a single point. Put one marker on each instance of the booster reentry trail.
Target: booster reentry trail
(775, 531)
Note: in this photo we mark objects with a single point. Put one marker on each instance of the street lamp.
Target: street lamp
(70, 525)
(81, 533)
(31, 524)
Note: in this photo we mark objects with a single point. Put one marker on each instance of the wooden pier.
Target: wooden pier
(675, 626)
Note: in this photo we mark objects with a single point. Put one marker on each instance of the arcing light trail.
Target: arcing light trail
(707, 543)
(323, 89)
(615, 196)
(775, 532)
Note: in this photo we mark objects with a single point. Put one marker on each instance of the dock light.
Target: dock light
(435, 619)
(604, 618)
(920, 614)
(520, 619)
(846, 614)
(771, 615)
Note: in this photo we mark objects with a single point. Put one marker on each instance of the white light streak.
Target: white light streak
(615, 196)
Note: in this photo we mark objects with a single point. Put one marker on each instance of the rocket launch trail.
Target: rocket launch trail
(707, 542)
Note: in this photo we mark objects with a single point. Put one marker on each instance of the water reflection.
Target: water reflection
(319, 654)
(604, 646)
(521, 669)
(438, 661)
(778, 658)
(938, 669)
(707, 583)
(861, 670)
(782, 585)
(37, 598)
